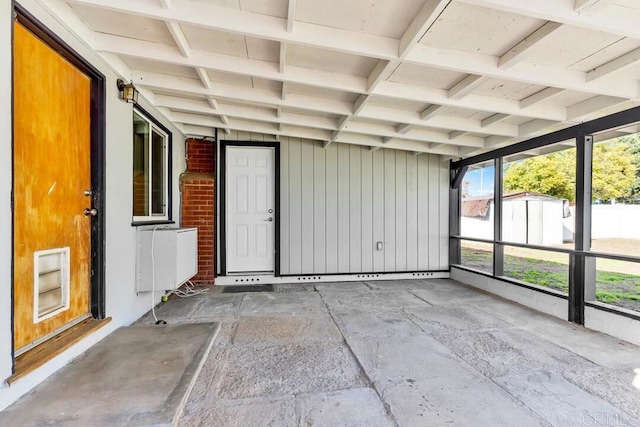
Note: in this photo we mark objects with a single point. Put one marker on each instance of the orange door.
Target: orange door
(52, 170)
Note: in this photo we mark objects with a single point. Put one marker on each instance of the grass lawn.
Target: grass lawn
(619, 289)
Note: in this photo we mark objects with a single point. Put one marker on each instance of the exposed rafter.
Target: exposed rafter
(291, 15)
(544, 94)
(618, 64)
(522, 49)
(496, 118)
(430, 111)
(591, 6)
(465, 86)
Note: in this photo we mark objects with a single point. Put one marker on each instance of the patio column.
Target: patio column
(582, 269)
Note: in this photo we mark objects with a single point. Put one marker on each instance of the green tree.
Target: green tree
(614, 172)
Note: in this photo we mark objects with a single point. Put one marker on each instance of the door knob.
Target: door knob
(269, 219)
(90, 212)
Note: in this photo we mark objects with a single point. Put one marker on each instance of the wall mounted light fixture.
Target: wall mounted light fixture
(128, 92)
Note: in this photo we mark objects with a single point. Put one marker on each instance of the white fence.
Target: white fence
(615, 222)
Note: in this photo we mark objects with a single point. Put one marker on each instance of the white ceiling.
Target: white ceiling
(452, 77)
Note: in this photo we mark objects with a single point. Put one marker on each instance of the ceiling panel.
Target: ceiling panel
(479, 30)
(379, 17)
(125, 25)
(325, 60)
(507, 89)
(426, 76)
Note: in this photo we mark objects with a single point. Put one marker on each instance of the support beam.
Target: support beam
(386, 139)
(283, 91)
(373, 149)
(458, 176)
(404, 128)
(493, 119)
(420, 24)
(498, 249)
(204, 77)
(456, 134)
(522, 49)
(618, 64)
(359, 104)
(326, 144)
(207, 15)
(591, 105)
(582, 274)
(617, 22)
(179, 38)
(283, 57)
(166, 4)
(291, 15)
(543, 95)
(465, 86)
(430, 111)
(591, 6)
(416, 153)
(228, 64)
(533, 127)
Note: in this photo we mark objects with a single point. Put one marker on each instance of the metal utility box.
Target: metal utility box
(174, 254)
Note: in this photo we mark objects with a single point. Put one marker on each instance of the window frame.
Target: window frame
(160, 129)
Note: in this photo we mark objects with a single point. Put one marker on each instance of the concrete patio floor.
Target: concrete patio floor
(401, 353)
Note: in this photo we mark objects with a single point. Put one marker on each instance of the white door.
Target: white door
(250, 209)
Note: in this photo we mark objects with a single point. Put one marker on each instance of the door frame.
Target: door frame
(98, 166)
(223, 194)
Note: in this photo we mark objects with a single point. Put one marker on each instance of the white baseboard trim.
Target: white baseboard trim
(324, 278)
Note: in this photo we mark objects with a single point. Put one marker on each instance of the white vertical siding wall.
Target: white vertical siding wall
(336, 203)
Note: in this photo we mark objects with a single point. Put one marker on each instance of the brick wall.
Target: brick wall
(197, 185)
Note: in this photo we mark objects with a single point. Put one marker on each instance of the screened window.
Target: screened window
(150, 170)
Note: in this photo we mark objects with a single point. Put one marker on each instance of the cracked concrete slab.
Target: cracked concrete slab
(354, 407)
(387, 285)
(612, 385)
(379, 326)
(259, 412)
(502, 352)
(558, 401)
(599, 348)
(256, 330)
(217, 305)
(372, 301)
(341, 286)
(461, 400)
(447, 295)
(289, 304)
(451, 319)
(251, 371)
(389, 362)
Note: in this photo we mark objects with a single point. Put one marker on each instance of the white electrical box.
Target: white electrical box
(172, 253)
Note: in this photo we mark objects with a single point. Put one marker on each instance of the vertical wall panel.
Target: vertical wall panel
(355, 210)
(319, 210)
(412, 213)
(366, 218)
(434, 213)
(389, 210)
(331, 211)
(336, 203)
(295, 206)
(284, 206)
(343, 208)
(401, 211)
(307, 208)
(443, 203)
(423, 212)
(378, 209)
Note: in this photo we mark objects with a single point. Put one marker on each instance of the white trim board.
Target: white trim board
(320, 278)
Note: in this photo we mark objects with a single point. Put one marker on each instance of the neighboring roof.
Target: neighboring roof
(450, 77)
(478, 207)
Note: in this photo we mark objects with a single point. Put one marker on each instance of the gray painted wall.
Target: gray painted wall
(336, 203)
